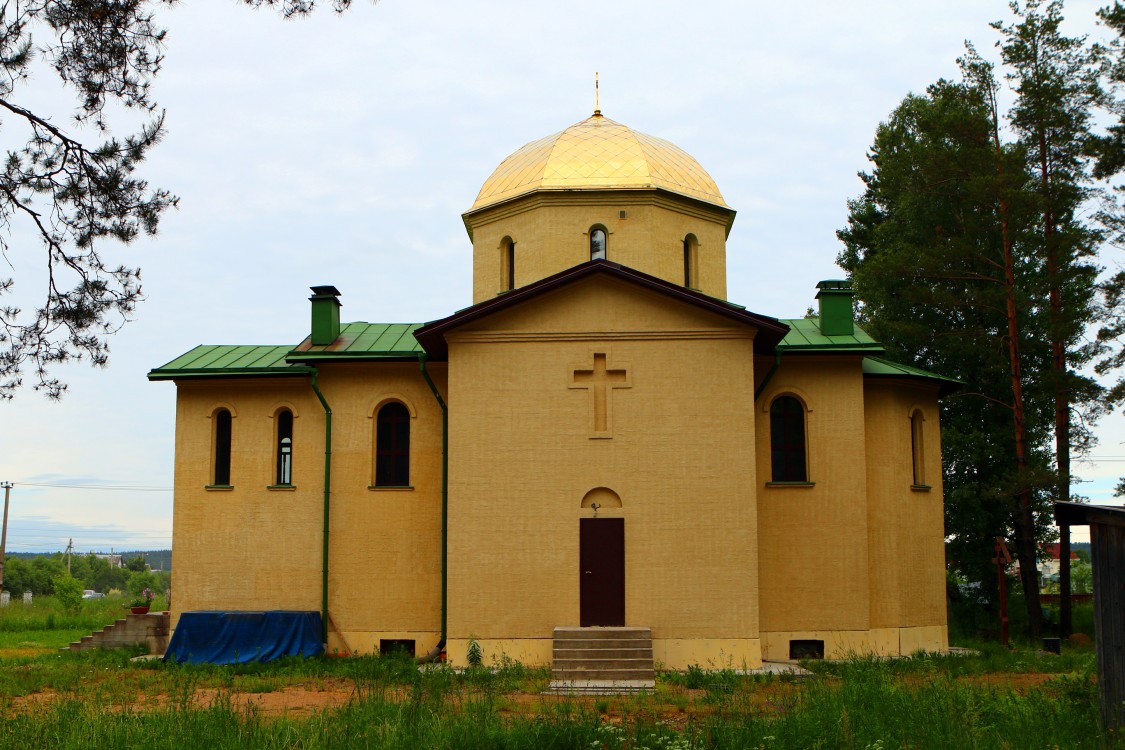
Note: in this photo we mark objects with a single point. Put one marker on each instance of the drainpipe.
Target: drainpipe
(327, 490)
(770, 374)
(444, 501)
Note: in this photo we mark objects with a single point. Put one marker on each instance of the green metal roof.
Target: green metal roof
(363, 341)
(356, 342)
(879, 367)
(205, 361)
(804, 335)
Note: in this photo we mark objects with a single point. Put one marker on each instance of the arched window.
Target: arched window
(508, 264)
(787, 440)
(284, 450)
(220, 467)
(918, 448)
(392, 446)
(691, 262)
(597, 243)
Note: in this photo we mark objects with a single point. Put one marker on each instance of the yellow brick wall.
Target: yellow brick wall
(906, 523)
(551, 234)
(255, 548)
(680, 457)
(724, 568)
(813, 540)
(250, 547)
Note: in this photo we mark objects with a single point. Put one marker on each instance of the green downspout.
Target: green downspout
(327, 490)
(770, 374)
(444, 490)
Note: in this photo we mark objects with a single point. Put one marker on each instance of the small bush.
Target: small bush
(475, 656)
(68, 593)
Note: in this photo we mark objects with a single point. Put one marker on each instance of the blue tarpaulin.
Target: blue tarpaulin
(241, 637)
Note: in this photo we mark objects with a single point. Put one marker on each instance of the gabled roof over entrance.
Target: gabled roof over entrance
(770, 330)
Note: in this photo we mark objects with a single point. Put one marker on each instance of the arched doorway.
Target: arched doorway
(601, 561)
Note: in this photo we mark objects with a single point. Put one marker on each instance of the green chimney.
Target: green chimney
(835, 297)
(325, 315)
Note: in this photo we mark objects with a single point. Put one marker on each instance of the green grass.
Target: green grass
(46, 614)
(866, 707)
(40, 639)
(869, 704)
(44, 625)
(989, 658)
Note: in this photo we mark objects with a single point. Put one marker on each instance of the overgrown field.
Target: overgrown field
(104, 699)
(996, 699)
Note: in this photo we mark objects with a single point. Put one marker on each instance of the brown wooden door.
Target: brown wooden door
(602, 569)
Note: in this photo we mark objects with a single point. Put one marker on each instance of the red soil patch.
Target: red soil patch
(1021, 682)
(293, 701)
(15, 653)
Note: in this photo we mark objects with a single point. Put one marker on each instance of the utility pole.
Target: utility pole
(69, 547)
(4, 530)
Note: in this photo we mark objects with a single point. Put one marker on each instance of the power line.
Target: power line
(64, 529)
(117, 488)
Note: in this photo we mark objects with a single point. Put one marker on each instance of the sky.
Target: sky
(342, 149)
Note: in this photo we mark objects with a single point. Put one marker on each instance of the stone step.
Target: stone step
(597, 675)
(150, 629)
(596, 633)
(605, 663)
(603, 653)
(602, 660)
(599, 687)
(597, 643)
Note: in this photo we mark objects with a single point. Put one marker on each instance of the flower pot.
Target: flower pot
(139, 610)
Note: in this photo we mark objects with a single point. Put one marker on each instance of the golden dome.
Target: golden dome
(598, 154)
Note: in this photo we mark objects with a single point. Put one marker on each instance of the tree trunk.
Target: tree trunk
(1058, 370)
(1024, 517)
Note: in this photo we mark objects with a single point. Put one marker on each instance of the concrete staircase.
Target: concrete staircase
(602, 661)
(150, 629)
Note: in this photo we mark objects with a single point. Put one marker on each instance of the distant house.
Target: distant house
(1049, 566)
(117, 561)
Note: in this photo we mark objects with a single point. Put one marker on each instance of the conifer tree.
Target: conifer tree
(1026, 237)
(70, 188)
(1056, 80)
(931, 248)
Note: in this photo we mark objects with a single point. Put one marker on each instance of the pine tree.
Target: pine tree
(1056, 80)
(932, 250)
(73, 194)
(1000, 247)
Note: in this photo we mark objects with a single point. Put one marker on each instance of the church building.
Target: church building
(601, 439)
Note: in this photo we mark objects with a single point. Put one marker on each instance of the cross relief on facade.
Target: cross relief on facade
(600, 380)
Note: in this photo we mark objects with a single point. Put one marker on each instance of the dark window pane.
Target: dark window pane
(787, 440)
(687, 262)
(512, 265)
(392, 446)
(222, 447)
(284, 450)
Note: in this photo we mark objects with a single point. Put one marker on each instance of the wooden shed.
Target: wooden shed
(1107, 557)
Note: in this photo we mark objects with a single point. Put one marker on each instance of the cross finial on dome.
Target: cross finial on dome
(597, 104)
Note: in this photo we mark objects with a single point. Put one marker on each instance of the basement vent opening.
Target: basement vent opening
(806, 649)
(400, 646)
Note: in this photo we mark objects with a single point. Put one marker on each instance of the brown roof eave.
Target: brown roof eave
(432, 335)
(1081, 514)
